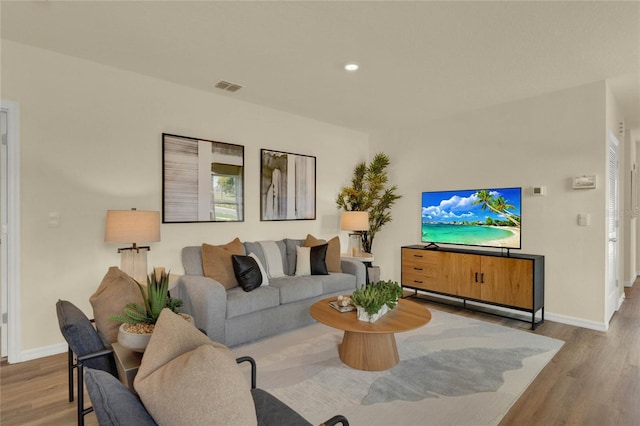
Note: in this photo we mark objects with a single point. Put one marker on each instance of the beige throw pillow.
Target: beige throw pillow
(115, 291)
(303, 261)
(186, 379)
(216, 262)
(334, 264)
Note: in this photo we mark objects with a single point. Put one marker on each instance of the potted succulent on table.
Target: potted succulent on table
(376, 299)
(139, 321)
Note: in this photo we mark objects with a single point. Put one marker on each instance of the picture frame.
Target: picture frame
(202, 180)
(287, 186)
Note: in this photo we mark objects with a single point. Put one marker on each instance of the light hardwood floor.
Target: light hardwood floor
(593, 380)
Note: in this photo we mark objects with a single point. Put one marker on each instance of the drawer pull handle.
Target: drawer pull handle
(418, 269)
(417, 255)
(418, 282)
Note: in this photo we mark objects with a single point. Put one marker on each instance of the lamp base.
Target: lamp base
(133, 262)
(355, 248)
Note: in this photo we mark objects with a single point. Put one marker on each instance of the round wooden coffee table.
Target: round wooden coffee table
(371, 346)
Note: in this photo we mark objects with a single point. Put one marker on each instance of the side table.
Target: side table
(127, 363)
(367, 260)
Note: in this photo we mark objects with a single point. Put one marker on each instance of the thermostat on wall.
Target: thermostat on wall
(539, 190)
(584, 182)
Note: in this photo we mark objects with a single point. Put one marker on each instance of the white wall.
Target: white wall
(91, 141)
(542, 141)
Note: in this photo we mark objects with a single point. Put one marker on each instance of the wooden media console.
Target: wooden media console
(515, 281)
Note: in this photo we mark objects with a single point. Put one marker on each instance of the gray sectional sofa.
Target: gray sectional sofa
(234, 316)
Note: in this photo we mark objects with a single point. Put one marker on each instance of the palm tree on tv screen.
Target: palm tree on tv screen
(496, 204)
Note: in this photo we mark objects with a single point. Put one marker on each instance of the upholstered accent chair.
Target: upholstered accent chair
(114, 404)
(86, 349)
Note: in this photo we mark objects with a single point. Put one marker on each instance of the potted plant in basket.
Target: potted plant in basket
(139, 321)
(376, 299)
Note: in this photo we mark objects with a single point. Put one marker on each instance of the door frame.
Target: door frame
(10, 247)
(611, 303)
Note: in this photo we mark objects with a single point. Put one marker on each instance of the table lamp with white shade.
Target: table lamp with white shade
(133, 227)
(355, 221)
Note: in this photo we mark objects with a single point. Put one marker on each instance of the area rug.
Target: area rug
(453, 371)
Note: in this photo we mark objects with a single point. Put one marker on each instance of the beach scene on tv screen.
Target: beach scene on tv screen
(487, 217)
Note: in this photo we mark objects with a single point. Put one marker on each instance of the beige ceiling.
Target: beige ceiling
(419, 60)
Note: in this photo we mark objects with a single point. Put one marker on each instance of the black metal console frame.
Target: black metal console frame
(534, 324)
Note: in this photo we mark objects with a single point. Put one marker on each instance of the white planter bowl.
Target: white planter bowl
(138, 342)
(364, 316)
(134, 341)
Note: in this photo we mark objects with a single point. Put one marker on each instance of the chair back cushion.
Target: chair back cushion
(81, 336)
(113, 403)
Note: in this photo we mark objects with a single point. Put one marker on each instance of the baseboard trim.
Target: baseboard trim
(44, 351)
(620, 301)
(578, 322)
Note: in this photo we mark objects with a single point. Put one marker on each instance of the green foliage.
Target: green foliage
(369, 192)
(373, 296)
(498, 205)
(155, 298)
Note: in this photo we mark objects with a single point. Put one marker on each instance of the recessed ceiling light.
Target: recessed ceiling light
(351, 66)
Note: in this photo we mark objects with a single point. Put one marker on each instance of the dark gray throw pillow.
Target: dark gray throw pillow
(247, 272)
(318, 257)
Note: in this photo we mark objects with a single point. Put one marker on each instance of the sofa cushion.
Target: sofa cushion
(113, 403)
(115, 291)
(303, 261)
(257, 248)
(240, 302)
(247, 272)
(192, 260)
(317, 258)
(333, 251)
(185, 378)
(216, 262)
(293, 289)
(290, 245)
(274, 259)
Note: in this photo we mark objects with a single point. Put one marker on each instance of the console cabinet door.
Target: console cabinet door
(507, 281)
(461, 273)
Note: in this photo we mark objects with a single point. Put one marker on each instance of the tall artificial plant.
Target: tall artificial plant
(369, 191)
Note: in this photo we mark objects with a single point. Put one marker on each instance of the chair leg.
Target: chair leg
(70, 367)
(80, 393)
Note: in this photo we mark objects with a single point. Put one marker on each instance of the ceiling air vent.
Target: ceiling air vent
(228, 86)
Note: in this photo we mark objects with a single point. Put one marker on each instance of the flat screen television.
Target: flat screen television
(479, 217)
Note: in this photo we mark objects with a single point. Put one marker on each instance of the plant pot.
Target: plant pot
(364, 316)
(135, 341)
(138, 342)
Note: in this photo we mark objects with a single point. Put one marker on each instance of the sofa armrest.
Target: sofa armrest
(206, 300)
(355, 267)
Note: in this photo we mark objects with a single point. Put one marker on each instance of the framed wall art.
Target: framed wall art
(287, 186)
(202, 180)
